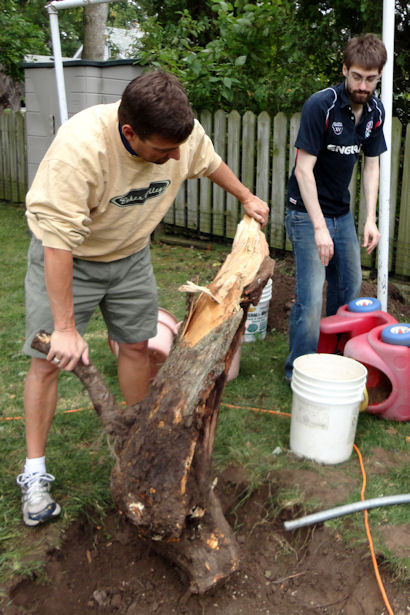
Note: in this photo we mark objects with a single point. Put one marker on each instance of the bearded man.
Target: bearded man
(337, 123)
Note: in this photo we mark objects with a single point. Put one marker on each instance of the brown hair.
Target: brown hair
(367, 51)
(156, 103)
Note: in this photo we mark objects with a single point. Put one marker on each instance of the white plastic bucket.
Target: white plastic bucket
(257, 320)
(327, 392)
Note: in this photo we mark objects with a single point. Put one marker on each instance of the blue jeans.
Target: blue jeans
(343, 275)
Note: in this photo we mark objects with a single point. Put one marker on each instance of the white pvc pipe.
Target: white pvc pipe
(53, 8)
(71, 4)
(58, 65)
(339, 511)
(385, 159)
(78, 52)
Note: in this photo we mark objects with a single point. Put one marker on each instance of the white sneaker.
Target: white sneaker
(37, 504)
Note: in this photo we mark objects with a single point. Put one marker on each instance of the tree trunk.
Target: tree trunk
(94, 22)
(162, 479)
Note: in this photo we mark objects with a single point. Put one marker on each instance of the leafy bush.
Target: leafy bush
(18, 35)
(241, 65)
(260, 56)
(231, 55)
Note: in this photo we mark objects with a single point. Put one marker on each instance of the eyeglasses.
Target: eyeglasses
(359, 78)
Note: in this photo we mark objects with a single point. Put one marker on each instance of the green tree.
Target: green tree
(248, 62)
(265, 55)
(25, 29)
(19, 35)
(229, 54)
(167, 11)
(338, 20)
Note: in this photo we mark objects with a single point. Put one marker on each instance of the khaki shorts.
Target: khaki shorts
(124, 290)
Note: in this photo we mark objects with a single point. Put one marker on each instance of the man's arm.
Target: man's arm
(67, 345)
(308, 190)
(371, 234)
(253, 205)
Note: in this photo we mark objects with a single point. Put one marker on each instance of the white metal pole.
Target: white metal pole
(58, 63)
(385, 159)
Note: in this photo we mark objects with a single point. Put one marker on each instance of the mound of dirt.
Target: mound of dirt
(108, 569)
(283, 296)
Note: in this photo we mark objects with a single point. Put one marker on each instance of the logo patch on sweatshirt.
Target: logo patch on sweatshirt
(337, 128)
(138, 196)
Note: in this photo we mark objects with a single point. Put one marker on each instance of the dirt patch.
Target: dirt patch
(329, 487)
(108, 569)
(382, 461)
(283, 296)
(397, 539)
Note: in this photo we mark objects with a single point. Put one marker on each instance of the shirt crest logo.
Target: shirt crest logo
(138, 196)
(369, 127)
(337, 128)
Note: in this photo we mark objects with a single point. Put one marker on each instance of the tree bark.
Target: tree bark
(94, 22)
(162, 479)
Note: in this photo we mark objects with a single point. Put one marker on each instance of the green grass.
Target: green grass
(79, 455)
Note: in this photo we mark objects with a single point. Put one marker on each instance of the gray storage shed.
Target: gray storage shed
(87, 83)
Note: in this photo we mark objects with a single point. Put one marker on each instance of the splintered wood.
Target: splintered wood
(222, 301)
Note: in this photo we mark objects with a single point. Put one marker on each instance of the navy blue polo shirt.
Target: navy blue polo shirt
(328, 131)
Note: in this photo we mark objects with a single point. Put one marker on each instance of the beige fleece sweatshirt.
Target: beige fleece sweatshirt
(94, 198)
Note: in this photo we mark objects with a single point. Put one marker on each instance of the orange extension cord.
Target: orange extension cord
(369, 536)
(279, 413)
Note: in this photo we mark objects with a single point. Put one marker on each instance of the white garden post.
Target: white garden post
(385, 159)
(53, 8)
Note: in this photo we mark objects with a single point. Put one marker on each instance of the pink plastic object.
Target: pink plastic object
(160, 345)
(336, 330)
(388, 379)
(234, 366)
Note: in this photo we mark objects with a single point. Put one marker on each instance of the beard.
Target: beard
(360, 97)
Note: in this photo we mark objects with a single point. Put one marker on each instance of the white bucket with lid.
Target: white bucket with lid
(327, 392)
(257, 319)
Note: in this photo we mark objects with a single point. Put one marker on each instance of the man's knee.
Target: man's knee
(136, 350)
(42, 369)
